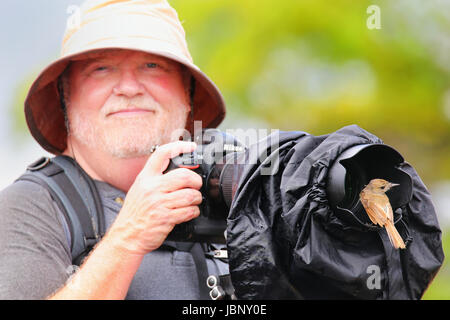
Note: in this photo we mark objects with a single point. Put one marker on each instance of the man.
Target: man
(124, 87)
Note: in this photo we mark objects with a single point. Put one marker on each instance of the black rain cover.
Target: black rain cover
(285, 242)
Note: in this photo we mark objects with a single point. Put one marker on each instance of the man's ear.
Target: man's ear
(187, 79)
(189, 84)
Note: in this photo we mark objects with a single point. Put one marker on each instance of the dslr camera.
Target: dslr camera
(218, 160)
(213, 160)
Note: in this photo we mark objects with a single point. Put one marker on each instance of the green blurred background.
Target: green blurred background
(316, 66)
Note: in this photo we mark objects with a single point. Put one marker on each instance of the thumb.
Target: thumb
(159, 160)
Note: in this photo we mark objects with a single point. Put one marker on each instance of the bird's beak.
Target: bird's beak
(393, 185)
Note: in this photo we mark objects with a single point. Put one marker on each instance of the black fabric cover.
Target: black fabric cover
(285, 241)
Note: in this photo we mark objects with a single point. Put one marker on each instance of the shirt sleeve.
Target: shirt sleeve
(35, 257)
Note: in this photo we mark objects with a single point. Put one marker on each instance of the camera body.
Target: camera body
(213, 160)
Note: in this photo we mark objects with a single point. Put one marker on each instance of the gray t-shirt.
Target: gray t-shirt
(35, 257)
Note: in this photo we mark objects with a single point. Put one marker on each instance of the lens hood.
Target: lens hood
(353, 170)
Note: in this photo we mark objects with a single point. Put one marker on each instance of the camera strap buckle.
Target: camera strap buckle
(221, 254)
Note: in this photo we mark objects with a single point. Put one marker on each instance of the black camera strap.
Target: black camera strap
(198, 253)
(77, 198)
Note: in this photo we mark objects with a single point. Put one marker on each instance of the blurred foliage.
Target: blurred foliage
(17, 115)
(440, 287)
(314, 65)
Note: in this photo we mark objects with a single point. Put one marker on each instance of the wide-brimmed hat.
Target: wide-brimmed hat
(150, 26)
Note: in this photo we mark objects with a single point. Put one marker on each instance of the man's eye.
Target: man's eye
(152, 65)
(101, 68)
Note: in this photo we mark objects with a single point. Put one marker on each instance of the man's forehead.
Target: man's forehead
(114, 53)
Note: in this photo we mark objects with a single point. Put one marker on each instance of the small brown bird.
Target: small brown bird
(378, 208)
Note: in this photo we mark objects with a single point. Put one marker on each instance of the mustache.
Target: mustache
(117, 104)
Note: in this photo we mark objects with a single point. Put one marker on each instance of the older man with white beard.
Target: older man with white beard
(116, 102)
(120, 103)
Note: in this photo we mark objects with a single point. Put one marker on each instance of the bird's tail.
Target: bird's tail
(394, 236)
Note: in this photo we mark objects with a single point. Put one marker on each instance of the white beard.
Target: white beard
(128, 137)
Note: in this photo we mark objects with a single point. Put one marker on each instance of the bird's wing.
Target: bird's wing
(378, 210)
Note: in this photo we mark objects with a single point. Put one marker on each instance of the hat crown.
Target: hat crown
(121, 22)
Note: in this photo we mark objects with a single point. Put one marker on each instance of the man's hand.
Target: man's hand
(156, 202)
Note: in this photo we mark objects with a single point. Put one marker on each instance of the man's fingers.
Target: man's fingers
(159, 160)
(185, 214)
(183, 198)
(180, 178)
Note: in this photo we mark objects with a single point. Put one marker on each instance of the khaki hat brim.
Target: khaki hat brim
(45, 118)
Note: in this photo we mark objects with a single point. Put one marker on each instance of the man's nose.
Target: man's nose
(128, 85)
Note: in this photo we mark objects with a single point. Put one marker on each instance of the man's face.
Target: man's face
(123, 102)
